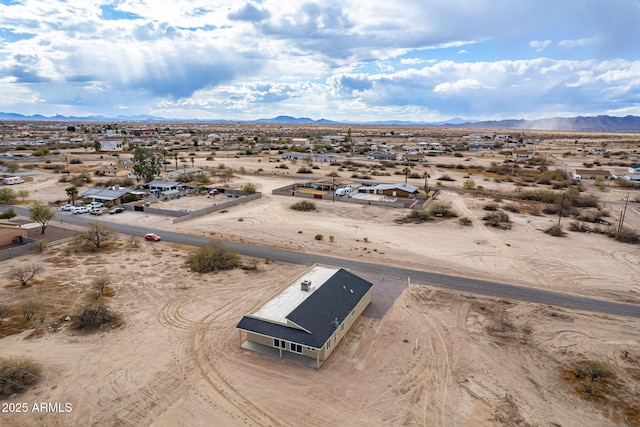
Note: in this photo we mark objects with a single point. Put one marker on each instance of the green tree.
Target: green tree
(23, 194)
(7, 195)
(146, 164)
(249, 189)
(72, 193)
(97, 145)
(406, 172)
(41, 213)
(426, 177)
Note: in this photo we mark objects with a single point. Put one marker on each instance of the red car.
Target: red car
(152, 237)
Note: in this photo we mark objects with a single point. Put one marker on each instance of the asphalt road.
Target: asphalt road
(392, 278)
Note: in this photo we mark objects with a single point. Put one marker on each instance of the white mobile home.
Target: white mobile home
(10, 180)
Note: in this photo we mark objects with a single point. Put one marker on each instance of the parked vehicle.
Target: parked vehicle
(67, 207)
(93, 205)
(116, 211)
(152, 237)
(77, 210)
(213, 191)
(95, 211)
(344, 191)
(10, 180)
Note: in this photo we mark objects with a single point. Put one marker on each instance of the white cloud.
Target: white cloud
(540, 45)
(457, 86)
(570, 44)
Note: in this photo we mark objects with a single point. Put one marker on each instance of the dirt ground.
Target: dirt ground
(435, 358)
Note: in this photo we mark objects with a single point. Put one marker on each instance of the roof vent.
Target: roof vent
(305, 285)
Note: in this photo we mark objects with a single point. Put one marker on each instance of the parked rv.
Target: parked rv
(10, 180)
(343, 191)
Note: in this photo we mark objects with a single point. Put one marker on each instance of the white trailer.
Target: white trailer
(10, 180)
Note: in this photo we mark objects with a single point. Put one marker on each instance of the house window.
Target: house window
(342, 327)
(329, 344)
(353, 312)
(279, 343)
(296, 348)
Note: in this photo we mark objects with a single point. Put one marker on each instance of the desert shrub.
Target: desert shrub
(446, 178)
(419, 217)
(8, 214)
(213, 257)
(251, 265)
(626, 235)
(589, 376)
(282, 166)
(511, 208)
(319, 237)
(556, 231)
(331, 238)
(466, 221)
(469, 184)
(498, 220)
(442, 210)
(96, 316)
(457, 154)
(75, 161)
(303, 206)
(17, 375)
(304, 170)
(490, 207)
(580, 227)
(129, 197)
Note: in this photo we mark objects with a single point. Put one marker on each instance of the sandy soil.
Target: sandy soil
(435, 358)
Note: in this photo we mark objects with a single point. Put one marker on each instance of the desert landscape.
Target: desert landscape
(434, 357)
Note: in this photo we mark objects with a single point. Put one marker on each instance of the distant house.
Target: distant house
(163, 185)
(119, 169)
(307, 320)
(113, 194)
(391, 190)
(413, 157)
(382, 155)
(592, 173)
(634, 169)
(518, 154)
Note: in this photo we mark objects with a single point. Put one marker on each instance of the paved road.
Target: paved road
(389, 278)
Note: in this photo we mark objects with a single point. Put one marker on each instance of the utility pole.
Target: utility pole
(624, 213)
(333, 189)
(561, 206)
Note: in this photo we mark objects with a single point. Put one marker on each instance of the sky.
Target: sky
(348, 60)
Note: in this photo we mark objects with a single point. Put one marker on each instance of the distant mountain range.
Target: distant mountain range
(575, 124)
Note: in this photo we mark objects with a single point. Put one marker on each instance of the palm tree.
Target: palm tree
(406, 172)
(426, 177)
(175, 157)
(72, 192)
(192, 161)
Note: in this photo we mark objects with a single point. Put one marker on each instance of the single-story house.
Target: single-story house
(120, 169)
(111, 194)
(521, 154)
(382, 155)
(413, 157)
(163, 185)
(308, 318)
(592, 173)
(392, 190)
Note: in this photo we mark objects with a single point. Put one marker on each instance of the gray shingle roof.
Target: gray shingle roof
(317, 314)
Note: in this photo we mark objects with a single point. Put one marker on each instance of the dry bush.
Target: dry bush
(214, 257)
(466, 221)
(442, 210)
(24, 273)
(556, 231)
(626, 235)
(303, 206)
(96, 316)
(490, 207)
(499, 220)
(17, 375)
(5, 311)
(580, 227)
(95, 236)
